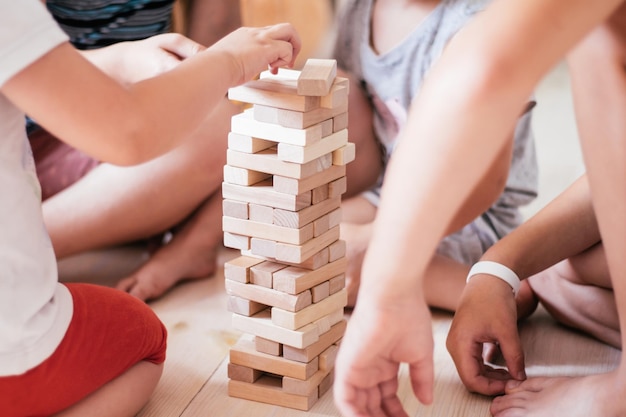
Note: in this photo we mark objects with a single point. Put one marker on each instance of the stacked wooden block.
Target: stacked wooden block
(285, 174)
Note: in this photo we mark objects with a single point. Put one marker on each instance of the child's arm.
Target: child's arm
(74, 100)
(467, 106)
(130, 62)
(487, 310)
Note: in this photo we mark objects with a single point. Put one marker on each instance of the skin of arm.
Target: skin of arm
(487, 311)
(126, 125)
(465, 111)
(130, 62)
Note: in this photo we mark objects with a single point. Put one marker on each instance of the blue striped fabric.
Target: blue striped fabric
(96, 23)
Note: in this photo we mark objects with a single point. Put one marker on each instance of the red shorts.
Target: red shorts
(58, 164)
(110, 332)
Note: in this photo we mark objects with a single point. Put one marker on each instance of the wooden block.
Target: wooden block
(263, 193)
(317, 77)
(269, 296)
(247, 144)
(340, 122)
(345, 154)
(337, 250)
(292, 280)
(243, 373)
(261, 274)
(327, 128)
(259, 213)
(325, 340)
(253, 92)
(337, 97)
(238, 209)
(283, 74)
(268, 390)
(325, 323)
(267, 161)
(297, 219)
(244, 124)
(299, 387)
(296, 119)
(337, 187)
(267, 346)
(326, 384)
(322, 225)
(243, 176)
(337, 283)
(244, 353)
(295, 186)
(314, 262)
(320, 292)
(295, 320)
(268, 231)
(293, 253)
(238, 269)
(261, 325)
(302, 154)
(334, 218)
(236, 241)
(327, 358)
(263, 247)
(243, 306)
(319, 194)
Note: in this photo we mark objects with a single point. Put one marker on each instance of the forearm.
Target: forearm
(565, 227)
(457, 126)
(121, 125)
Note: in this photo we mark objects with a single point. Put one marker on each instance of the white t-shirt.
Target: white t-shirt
(35, 310)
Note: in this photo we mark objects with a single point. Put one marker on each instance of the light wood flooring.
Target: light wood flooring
(200, 334)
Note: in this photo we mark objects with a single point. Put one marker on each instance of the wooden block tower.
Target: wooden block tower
(285, 174)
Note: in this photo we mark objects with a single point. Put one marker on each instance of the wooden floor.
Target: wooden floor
(200, 334)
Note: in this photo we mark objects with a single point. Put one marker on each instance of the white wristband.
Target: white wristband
(497, 270)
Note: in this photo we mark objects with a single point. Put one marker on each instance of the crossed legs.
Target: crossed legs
(178, 191)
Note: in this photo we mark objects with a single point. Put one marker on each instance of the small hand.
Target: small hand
(255, 49)
(377, 341)
(487, 314)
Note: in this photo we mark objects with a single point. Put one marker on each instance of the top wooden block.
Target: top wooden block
(316, 77)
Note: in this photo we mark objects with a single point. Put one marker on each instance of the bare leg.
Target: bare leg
(364, 171)
(115, 205)
(123, 397)
(190, 254)
(577, 293)
(356, 230)
(599, 86)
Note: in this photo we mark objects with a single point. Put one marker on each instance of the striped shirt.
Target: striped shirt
(96, 23)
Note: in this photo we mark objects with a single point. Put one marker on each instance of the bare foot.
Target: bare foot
(169, 265)
(191, 254)
(590, 396)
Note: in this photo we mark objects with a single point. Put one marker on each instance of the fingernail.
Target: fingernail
(521, 376)
(513, 383)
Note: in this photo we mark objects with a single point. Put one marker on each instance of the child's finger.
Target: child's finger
(287, 33)
(513, 355)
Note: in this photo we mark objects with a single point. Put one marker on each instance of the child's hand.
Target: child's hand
(255, 49)
(131, 62)
(487, 314)
(377, 341)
